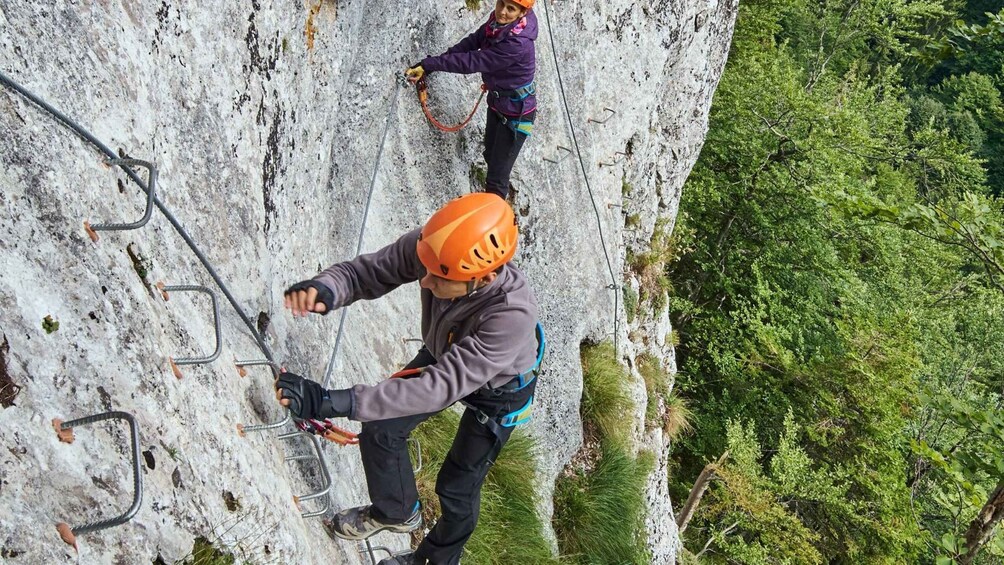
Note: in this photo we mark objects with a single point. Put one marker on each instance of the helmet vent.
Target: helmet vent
(478, 254)
(445, 269)
(494, 241)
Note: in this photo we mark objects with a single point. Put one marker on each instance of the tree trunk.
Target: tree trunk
(982, 527)
(697, 492)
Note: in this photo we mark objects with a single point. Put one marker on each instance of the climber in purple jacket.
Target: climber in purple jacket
(502, 50)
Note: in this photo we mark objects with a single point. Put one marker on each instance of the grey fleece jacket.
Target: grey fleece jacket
(486, 337)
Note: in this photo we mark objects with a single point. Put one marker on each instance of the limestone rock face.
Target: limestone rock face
(269, 124)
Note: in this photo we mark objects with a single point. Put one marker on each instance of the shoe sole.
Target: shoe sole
(371, 533)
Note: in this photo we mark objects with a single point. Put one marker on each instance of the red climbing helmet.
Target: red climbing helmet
(468, 237)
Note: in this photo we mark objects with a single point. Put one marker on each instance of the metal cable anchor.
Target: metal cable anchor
(175, 363)
(325, 476)
(65, 432)
(151, 181)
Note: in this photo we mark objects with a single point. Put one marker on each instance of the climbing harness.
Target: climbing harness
(422, 88)
(516, 95)
(523, 414)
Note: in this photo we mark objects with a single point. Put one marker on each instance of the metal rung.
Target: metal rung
(65, 432)
(325, 476)
(618, 157)
(368, 548)
(243, 428)
(151, 182)
(561, 156)
(175, 363)
(611, 111)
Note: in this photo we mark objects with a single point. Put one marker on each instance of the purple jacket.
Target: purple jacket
(505, 57)
(486, 337)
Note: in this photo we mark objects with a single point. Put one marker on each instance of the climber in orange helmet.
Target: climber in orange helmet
(482, 346)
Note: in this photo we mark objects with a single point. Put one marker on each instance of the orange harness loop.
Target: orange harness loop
(422, 88)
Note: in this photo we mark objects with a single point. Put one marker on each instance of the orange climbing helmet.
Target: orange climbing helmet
(528, 4)
(469, 237)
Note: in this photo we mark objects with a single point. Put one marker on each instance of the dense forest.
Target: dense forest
(836, 284)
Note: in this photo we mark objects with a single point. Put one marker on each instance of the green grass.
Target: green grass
(599, 501)
(204, 553)
(599, 516)
(675, 416)
(509, 529)
(656, 387)
(630, 303)
(605, 400)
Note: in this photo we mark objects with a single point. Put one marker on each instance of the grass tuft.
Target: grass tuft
(605, 400)
(676, 421)
(204, 553)
(599, 516)
(599, 501)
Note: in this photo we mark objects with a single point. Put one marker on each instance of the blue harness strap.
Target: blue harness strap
(523, 414)
(530, 374)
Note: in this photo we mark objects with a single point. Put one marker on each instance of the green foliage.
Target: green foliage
(605, 399)
(841, 215)
(665, 408)
(630, 303)
(205, 553)
(750, 501)
(665, 247)
(656, 387)
(508, 501)
(479, 174)
(49, 324)
(599, 515)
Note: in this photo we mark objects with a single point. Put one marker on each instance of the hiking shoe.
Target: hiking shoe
(358, 524)
(406, 558)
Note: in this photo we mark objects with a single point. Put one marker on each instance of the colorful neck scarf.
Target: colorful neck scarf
(494, 31)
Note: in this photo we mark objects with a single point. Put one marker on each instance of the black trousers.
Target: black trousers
(502, 146)
(391, 481)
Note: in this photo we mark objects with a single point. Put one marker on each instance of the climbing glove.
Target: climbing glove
(309, 400)
(324, 295)
(415, 73)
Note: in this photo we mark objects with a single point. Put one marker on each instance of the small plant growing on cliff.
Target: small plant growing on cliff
(142, 265)
(49, 325)
(473, 5)
(630, 303)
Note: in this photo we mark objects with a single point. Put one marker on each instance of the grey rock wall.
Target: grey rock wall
(265, 120)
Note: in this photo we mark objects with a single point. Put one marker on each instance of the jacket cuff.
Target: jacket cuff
(430, 65)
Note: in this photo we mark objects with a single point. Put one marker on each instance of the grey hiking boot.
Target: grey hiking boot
(358, 524)
(406, 558)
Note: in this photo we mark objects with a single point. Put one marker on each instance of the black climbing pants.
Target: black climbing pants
(502, 146)
(384, 450)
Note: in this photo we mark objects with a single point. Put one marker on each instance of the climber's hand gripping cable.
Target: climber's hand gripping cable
(414, 73)
(307, 399)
